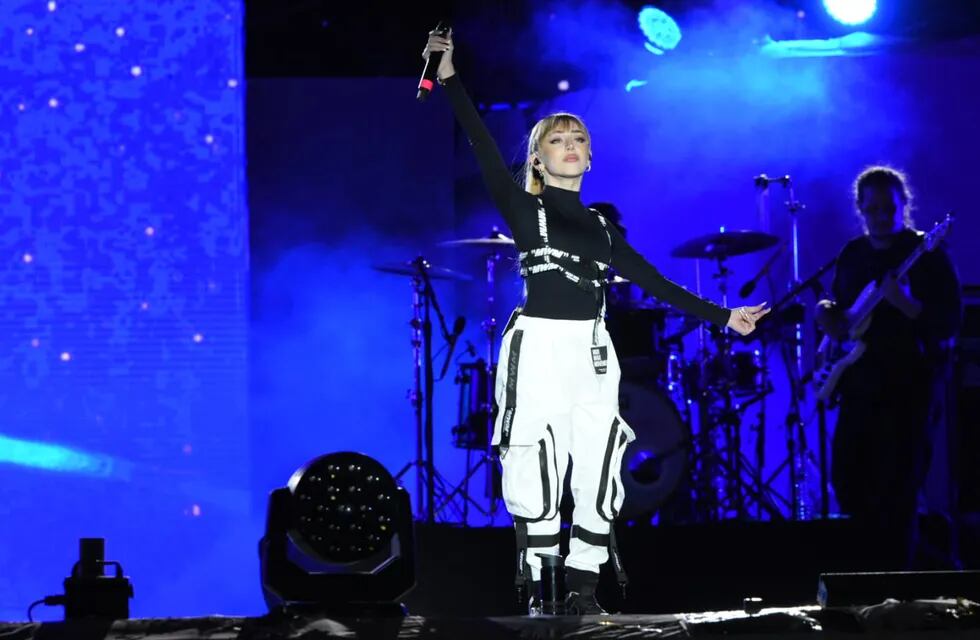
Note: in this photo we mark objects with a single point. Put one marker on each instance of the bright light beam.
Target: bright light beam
(50, 457)
(851, 12)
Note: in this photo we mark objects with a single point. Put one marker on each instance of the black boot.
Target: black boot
(581, 593)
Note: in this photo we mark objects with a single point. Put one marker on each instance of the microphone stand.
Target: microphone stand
(810, 283)
(795, 441)
(749, 286)
(794, 421)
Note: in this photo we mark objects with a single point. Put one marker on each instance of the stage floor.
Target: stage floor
(704, 567)
(465, 591)
(908, 620)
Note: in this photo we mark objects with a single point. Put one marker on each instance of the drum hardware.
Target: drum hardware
(470, 432)
(791, 353)
(430, 484)
(724, 244)
(412, 268)
(656, 463)
(728, 382)
(791, 311)
(476, 404)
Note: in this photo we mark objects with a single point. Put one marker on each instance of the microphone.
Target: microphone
(458, 327)
(428, 79)
(749, 286)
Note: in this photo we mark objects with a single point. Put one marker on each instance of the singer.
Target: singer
(557, 385)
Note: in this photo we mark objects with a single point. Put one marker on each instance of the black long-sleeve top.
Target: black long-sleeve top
(572, 228)
(897, 346)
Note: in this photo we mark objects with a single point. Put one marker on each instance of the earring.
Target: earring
(588, 168)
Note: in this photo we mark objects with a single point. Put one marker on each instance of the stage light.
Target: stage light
(851, 12)
(339, 538)
(661, 31)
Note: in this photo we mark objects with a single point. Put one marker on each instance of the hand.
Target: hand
(898, 292)
(444, 44)
(743, 319)
(831, 319)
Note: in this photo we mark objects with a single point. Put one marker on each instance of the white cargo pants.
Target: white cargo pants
(552, 405)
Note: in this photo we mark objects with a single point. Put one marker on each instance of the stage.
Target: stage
(464, 589)
(893, 620)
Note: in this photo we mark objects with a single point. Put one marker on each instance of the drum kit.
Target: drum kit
(686, 405)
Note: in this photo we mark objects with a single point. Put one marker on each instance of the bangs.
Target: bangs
(562, 122)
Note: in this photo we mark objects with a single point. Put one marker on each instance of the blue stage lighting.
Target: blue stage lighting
(660, 30)
(51, 457)
(851, 12)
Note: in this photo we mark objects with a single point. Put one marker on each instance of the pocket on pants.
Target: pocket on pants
(530, 480)
(611, 490)
(524, 391)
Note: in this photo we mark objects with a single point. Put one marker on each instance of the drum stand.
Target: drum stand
(484, 411)
(429, 483)
(741, 479)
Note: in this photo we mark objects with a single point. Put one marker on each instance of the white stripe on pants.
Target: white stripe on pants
(552, 405)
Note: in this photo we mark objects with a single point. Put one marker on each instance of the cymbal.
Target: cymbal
(410, 268)
(494, 240)
(724, 244)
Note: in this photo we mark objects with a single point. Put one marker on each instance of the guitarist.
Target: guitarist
(881, 447)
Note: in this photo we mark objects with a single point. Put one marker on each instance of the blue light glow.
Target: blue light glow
(51, 457)
(659, 28)
(122, 177)
(857, 43)
(851, 12)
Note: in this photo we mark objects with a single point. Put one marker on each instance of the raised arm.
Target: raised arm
(500, 183)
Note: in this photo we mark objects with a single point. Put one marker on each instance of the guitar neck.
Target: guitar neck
(877, 296)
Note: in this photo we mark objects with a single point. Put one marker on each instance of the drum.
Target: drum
(655, 464)
(741, 372)
(475, 428)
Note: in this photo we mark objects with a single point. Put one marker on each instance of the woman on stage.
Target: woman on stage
(557, 385)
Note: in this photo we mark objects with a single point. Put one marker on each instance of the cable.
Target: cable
(47, 601)
(30, 618)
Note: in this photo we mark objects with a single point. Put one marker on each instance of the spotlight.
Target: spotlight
(851, 12)
(661, 30)
(339, 538)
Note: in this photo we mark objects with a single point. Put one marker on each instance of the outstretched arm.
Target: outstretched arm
(496, 175)
(632, 265)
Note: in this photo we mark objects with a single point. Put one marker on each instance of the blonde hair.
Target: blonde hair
(534, 177)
